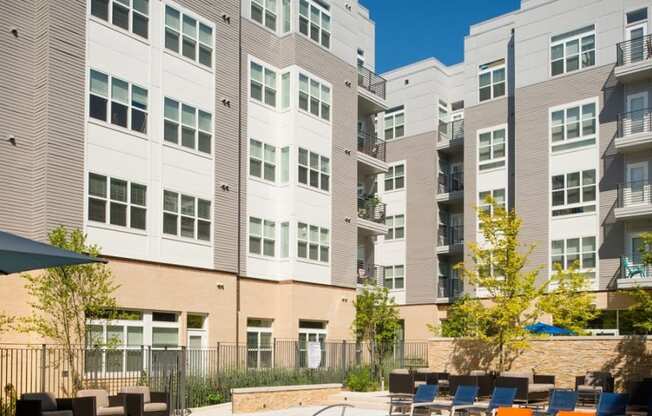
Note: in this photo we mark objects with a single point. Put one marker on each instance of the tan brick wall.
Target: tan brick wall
(627, 358)
(274, 398)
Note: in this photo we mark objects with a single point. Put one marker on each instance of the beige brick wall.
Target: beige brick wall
(627, 358)
(276, 398)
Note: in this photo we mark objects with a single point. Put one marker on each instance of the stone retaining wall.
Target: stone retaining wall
(627, 358)
(255, 399)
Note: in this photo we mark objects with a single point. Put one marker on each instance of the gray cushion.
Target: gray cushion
(589, 389)
(144, 390)
(48, 402)
(596, 378)
(111, 411)
(57, 413)
(156, 407)
(540, 387)
(478, 373)
(529, 376)
(101, 396)
(400, 371)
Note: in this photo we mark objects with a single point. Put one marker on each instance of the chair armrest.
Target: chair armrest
(579, 381)
(134, 403)
(117, 400)
(520, 383)
(159, 397)
(28, 407)
(543, 379)
(82, 406)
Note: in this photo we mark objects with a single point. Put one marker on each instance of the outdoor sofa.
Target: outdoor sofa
(484, 382)
(149, 403)
(529, 387)
(590, 386)
(45, 404)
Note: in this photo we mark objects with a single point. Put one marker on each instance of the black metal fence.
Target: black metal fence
(451, 131)
(372, 210)
(191, 376)
(370, 144)
(450, 182)
(449, 287)
(450, 235)
(634, 50)
(371, 81)
(635, 122)
(636, 193)
(370, 274)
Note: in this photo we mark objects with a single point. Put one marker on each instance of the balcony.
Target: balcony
(371, 154)
(450, 187)
(450, 239)
(371, 216)
(634, 61)
(370, 274)
(634, 131)
(371, 92)
(450, 136)
(633, 274)
(634, 200)
(449, 288)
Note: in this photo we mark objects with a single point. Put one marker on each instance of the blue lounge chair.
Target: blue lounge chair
(464, 398)
(560, 400)
(612, 404)
(425, 393)
(632, 270)
(501, 397)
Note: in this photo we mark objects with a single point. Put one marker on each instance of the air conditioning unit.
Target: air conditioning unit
(603, 332)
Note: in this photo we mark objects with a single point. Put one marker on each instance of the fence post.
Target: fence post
(44, 353)
(182, 380)
(344, 361)
(274, 353)
(217, 370)
(149, 365)
(297, 358)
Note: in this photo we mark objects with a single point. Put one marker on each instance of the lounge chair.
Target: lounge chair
(464, 398)
(530, 387)
(149, 403)
(484, 382)
(612, 404)
(500, 397)
(105, 405)
(590, 386)
(560, 401)
(632, 270)
(426, 393)
(45, 404)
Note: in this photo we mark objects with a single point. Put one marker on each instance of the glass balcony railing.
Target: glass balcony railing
(371, 81)
(634, 50)
(370, 144)
(371, 210)
(634, 122)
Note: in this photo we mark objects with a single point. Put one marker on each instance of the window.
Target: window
(314, 97)
(262, 237)
(285, 240)
(313, 242)
(498, 196)
(196, 38)
(638, 15)
(263, 84)
(395, 277)
(314, 170)
(573, 127)
(573, 193)
(285, 91)
(566, 252)
(311, 331)
(287, 15)
(130, 15)
(128, 102)
(262, 160)
(394, 124)
(395, 178)
(194, 214)
(315, 22)
(395, 227)
(126, 202)
(264, 12)
(491, 149)
(572, 51)
(285, 165)
(259, 343)
(491, 80)
(196, 126)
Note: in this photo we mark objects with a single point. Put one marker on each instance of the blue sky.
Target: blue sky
(411, 30)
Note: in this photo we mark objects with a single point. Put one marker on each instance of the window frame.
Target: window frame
(131, 12)
(323, 106)
(320, 27)
(263, 5)
(390, 222)
(264, 87)
(393, 115)
(262, 160)
(574, 144)
(564, 58)
(180, 126)
(321, 244)
(393, 178)
(580, 254)
(493, 162)
(580, 189)
(262, 237)
(197, 40)
(492, 83)
(108, 202)
(323, 174)
(394, 277)
(258, 330)
(195, 217)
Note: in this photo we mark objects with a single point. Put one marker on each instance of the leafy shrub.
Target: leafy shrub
(361, 379)
(215, 398)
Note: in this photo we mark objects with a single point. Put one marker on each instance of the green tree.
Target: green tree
(640, 311)
(376, 322)
(64, 297)
(464, 319)
(646, 248)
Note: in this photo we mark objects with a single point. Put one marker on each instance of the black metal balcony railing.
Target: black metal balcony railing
(372, 210)
(450, 235)
(370, 274)
(450, 182)
(634, 122)
(632, 194)
(634, 50)
(451, 131)
(449, 287)
(370, 144)
(371, 81)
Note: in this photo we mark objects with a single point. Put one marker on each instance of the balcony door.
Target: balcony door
(637, 189)
(635, 35)
(636, 120)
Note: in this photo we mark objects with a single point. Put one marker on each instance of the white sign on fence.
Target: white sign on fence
(314, 354)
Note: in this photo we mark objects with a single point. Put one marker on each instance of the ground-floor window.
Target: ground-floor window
(259, 343)
(311, 331)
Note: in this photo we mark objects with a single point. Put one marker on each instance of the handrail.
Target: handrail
(452, 131)
(372, 274)
(371, 210)
(634, 50)
(634, 122)
(371, 81)
(370, 144)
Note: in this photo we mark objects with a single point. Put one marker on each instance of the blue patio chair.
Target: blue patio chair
(501, 397)
(632, 270)
(464, 398)
(561, 400)
(612, 404)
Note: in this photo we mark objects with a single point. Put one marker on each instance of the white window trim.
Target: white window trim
(263, 6)
(262, 237)
(564, 107)
(319, 244)
(581, 186)
(276, 162)
(393, 227)
(393, 115)
(393, 278)
(276, 88)
(322, 10)
(260, 330)
(491, 71)
(196, 218)
(107, 200)
(492, 160)
(563, 41)
(393, 178)
(320, 102)
(180, 125)
(183, 11)
(319, 171)
(580, 254)
(129, 32)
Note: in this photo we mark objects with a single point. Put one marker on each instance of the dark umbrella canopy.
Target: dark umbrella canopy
(18, 254)
(541, 328)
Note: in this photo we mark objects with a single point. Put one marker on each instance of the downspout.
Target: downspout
(239, 210)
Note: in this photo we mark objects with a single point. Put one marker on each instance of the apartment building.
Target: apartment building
(547, 114)
(211, 149)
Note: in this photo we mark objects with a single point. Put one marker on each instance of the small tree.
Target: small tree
(464, 319)
(641, 310)
(6, 322)
(63, 298)
(376, 322)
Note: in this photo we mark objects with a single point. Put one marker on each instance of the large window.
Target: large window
(262, 237)
(491, 149)
(117, 202)
(313, 242)
(314, 97)
(315, 21)
(259, 343)
(314, 170)
(395, 178)
(264, 12)
(128, 107)
(311, 331)
(581, 251)
(572, 51)
(130, 15)
(491, 80)
(394, 124)
(185, 35)
(573, 126)
(395, 227)
(186, 216)
(188, 126)
(262, 160)
(498, 196)
(573, 193)
(395, 277)
(263, 84)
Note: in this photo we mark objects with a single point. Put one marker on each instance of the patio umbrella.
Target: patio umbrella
(541, 328)
(19, 254)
